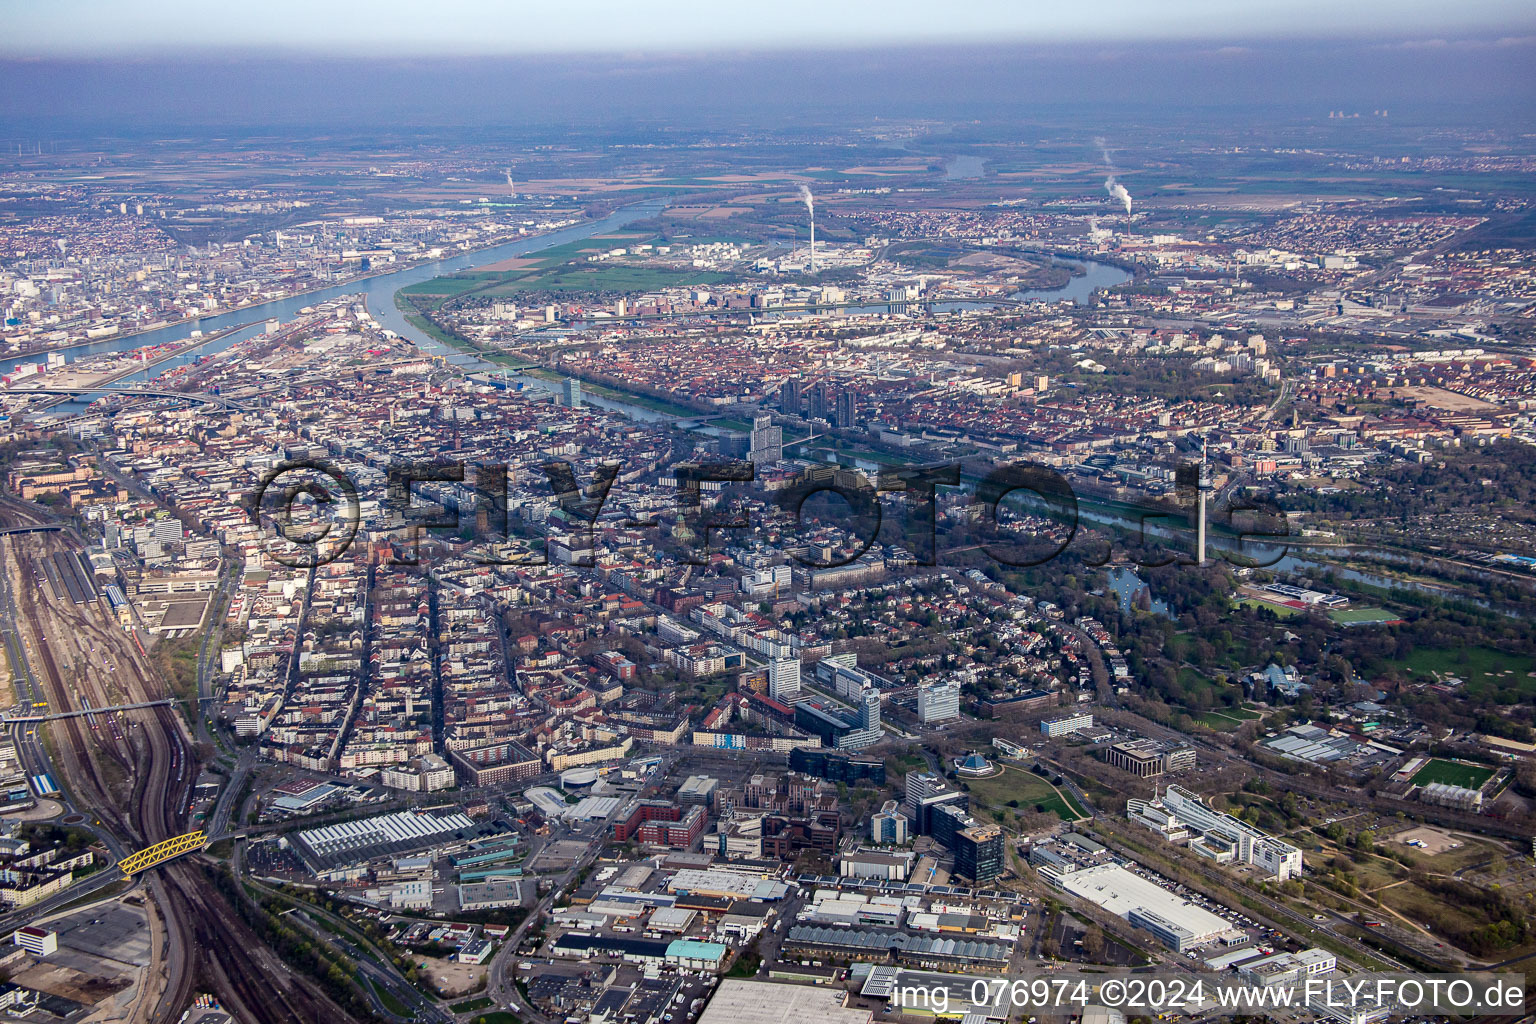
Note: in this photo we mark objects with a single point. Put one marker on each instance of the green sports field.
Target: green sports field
(1455, 773)
(1362, 616)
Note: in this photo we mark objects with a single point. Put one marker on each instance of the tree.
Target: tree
(1365, 841)
(1093, 942)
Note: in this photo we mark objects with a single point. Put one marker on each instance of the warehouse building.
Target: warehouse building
(931, 995)
(930, 951)
(512, 892)
(739, 1001)
(344, 849)
(894, 865)
(1177, 923)
(733, 885)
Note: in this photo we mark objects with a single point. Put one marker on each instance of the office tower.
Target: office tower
(938, 701)
(979, 853)
(926, 793)
(790, 399)
(868, 709)
(920, 786)
(948, 820)
(847, 409)
(767, 443)
(572, 391)
(818, 403)
(784, 680)
(888, 825)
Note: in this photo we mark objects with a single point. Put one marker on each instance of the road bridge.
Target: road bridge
(83, 712)
(186, 396)
(34, 528)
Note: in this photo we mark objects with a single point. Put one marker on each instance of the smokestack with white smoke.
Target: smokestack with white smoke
(1117, 190)
(511, 189)
(1114, 188)
(810, 208)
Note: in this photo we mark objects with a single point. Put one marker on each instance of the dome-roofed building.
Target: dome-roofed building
(974, 766)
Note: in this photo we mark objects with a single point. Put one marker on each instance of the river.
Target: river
(379, 294)
(379, 291)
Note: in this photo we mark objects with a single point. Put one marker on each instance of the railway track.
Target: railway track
(134, 770)
(254, 979)
(84, 772)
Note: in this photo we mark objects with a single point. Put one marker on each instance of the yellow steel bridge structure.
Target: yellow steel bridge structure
(163, 851)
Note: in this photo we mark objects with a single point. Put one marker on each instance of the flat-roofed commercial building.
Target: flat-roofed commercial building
(1066, 725)
(1223, 836)
(490, 895)
(735, 885)
(938, 701)
(1177, 923)
(739, 1001)
(340, 850)
(1145, 758)
(835, 766)
(896, 866)
(1288, 968)
(37, 941)
(916, 950)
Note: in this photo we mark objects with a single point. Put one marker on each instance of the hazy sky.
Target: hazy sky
(73, 28)
(68, 65)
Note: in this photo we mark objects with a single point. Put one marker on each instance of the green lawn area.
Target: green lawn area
(1359, 616)
(391, 1002)
(499, 1017)
(1481, 668)
(1280, 610)
(557, 254)
(1029, 790)
(565, 268)
(451, 285)
(1455, 773)
(598, 277)
(1227, 719)
(470, 1005)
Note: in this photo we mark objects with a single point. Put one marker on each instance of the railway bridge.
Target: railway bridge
(161, 852)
